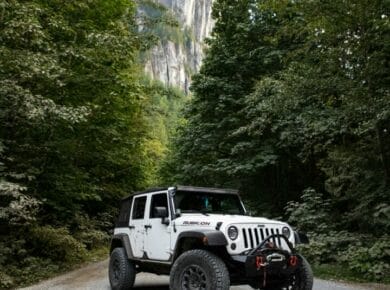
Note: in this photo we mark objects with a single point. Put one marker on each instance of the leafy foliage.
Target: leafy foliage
(365, 255)
(21, 208)
(56, 244)
(294, 95)
(79, 128)
(292, 100)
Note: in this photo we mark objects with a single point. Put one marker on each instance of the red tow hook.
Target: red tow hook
(259, 262)
(293, 261)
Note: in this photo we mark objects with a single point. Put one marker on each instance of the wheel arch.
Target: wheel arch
(214, 241)
(207, 262)
(122, 240)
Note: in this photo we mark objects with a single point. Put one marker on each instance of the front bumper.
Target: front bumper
(268, 264)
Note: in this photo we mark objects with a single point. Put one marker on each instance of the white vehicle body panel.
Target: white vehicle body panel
(137, 230)
(158, 236)
(199, 222)
(157, 241)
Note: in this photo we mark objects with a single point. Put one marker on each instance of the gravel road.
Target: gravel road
(94, 277)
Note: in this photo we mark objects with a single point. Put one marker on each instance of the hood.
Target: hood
(188, 219)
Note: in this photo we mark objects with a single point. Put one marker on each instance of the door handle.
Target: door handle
(131, 227)
(148, 226)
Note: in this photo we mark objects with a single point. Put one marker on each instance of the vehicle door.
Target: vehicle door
(137, 225)
(158, 232)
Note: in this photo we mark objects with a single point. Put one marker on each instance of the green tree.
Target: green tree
(67, 94)
(240, 51)
(294, 95)
(322, 113)
(75, 122)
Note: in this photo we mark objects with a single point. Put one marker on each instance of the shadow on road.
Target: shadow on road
(151, 287)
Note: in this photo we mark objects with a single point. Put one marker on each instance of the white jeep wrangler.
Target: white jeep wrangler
(203, 239)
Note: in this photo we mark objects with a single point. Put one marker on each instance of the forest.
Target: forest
(291, 106)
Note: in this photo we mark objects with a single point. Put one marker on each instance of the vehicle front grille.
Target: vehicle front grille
(254, 235)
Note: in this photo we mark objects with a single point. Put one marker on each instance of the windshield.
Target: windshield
(208, 203)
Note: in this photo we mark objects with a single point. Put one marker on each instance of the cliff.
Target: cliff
(175, 59)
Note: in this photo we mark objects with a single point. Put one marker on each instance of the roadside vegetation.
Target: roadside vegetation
(81, 127)
(291, 106)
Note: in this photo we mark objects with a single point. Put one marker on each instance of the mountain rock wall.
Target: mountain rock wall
(174, 61)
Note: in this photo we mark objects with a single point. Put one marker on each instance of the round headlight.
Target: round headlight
(286, 232)
(232, 233)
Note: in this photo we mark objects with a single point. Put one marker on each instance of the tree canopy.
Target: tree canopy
(291, 106)
(294, 96)
(78, 128)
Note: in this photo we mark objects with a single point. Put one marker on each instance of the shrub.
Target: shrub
(311, 214)
(370, 260)
(92, 239)
(5, 281)
(57, 244)
(327, 247)
(91, 231)
(365, 255)
(32, 269)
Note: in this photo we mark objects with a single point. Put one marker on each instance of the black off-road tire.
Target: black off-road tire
(121, 270)
(304, 276)
(202, 269)
(302, 279)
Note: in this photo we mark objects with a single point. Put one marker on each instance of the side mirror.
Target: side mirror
(301, 238)
(160, 212)
(178, 212)
(165, 221)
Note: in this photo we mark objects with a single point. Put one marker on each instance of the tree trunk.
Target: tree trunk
(383, 131)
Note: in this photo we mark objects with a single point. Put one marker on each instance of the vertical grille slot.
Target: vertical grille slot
(250, 237)
(273, 238)
(257, 236)
(253, 235)
(279, 242)
(262, 234)
(245, 238)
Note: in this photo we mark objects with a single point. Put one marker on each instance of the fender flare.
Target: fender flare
(208, 237)
(124, 241)
(301, 238)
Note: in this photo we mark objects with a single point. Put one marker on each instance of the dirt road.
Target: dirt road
(94, 277)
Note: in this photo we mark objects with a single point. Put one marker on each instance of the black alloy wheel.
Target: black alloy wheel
(194, 278)
(121, 271)
(199, 270)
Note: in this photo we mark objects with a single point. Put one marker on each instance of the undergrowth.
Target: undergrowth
(31, 254)
(335, 252)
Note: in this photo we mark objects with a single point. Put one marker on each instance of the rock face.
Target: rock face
(173, 61)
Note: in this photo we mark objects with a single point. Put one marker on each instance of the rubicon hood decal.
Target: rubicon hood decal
(195, 223)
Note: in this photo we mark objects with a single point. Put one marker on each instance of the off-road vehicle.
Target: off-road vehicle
(204, 239)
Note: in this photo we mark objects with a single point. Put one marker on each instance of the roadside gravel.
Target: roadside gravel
(94, 277)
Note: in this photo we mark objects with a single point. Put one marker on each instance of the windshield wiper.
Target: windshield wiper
(196, 211)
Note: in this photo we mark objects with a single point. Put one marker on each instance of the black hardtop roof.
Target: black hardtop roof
(188, 189)
(207, 189)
